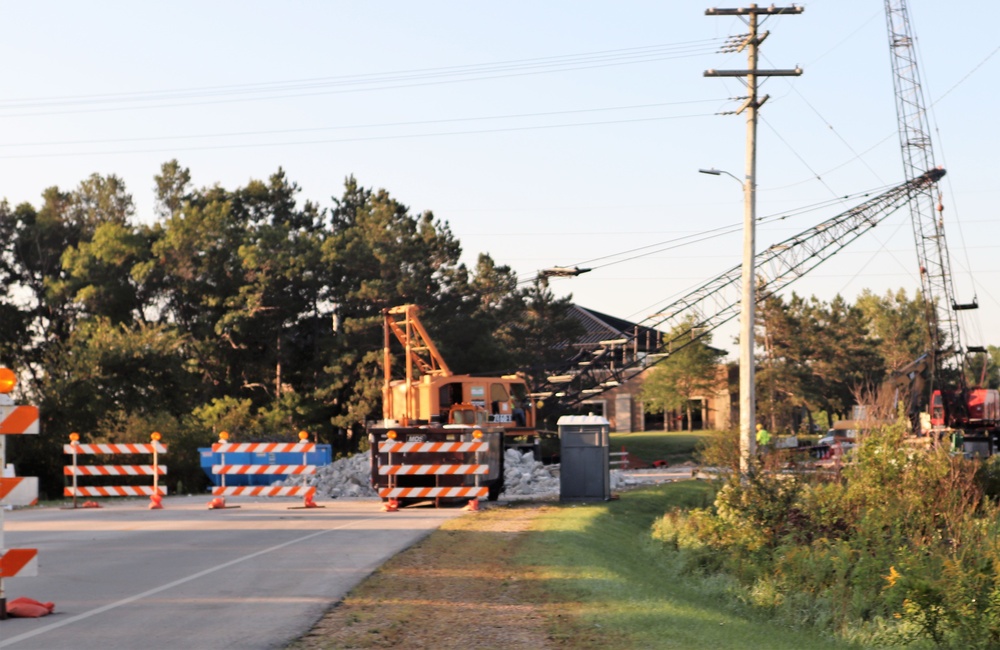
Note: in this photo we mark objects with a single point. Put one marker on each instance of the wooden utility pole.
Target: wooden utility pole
(749, 42)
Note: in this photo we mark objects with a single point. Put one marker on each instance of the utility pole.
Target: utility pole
(749, 42)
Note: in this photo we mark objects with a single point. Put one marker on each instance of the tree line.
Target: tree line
(243, 310)
(814, 358)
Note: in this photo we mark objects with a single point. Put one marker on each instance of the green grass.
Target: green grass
(672, 446)
(601, 556)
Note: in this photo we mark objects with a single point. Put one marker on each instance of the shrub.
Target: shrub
(904, 549)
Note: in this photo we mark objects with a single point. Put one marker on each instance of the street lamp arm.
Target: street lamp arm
(562, 272)
(718, 172)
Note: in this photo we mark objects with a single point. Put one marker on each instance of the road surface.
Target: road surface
(190, 578)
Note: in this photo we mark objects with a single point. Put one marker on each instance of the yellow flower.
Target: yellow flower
(893, 576)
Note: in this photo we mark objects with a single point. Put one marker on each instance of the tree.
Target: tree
(241, 309)
(786, 336)
(173, 185)
(538, 334)
(847, 360)
(817, 356)
(983, 369)
(376, 256)
(690, 369)
(897, 324)
(102, 276)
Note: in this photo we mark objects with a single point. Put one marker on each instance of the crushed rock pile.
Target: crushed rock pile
(345, 477)
(524, 478)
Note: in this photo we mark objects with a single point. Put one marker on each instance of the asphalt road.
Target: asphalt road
(190, 578)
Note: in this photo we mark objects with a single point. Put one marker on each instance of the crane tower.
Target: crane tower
(928, 227)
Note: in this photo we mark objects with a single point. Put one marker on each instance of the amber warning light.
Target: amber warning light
(7, 380)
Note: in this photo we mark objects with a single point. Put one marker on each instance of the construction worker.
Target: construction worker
(763, 437)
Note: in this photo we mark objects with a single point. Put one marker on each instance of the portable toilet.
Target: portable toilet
(585, 461)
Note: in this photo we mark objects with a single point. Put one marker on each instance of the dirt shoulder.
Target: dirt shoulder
(460, 588)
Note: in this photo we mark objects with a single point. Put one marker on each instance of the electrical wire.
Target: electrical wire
(373, 138)
(356, 83)
(797, 154)
(355, 126)
(794, 88)
(694, 238)
(968, 321)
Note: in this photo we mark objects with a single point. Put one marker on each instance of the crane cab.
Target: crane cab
(973, 408)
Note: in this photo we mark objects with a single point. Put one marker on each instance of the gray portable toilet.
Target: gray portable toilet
(585, 463)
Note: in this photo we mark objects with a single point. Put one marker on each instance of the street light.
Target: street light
(748, 303)
(717, 172)
(562, 272)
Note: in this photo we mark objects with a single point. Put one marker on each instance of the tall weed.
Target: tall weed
(903, 548)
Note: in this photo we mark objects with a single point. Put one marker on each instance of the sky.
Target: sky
(558, 133)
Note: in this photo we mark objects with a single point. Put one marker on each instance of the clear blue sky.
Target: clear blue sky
(545, 133)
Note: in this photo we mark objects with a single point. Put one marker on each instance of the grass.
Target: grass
(675, 447)
(564, 576)
(600, 558)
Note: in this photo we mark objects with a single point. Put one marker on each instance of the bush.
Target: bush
(904, 549)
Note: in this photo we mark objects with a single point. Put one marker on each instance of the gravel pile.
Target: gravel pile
(345, 477)
(524, 478)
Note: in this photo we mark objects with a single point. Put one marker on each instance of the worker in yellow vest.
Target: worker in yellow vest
(763, 437)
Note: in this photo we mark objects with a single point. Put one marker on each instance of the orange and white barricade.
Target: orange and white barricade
(155, 492)
(15, 490)
(397, 466)
(220, 492)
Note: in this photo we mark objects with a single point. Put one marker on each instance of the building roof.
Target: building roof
(602, 327)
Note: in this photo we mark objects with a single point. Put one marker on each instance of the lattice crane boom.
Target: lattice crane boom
(718, 301)
(928, 227)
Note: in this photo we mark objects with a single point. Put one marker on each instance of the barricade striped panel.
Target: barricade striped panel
(116, 449)
(113, 491)
(403, 470)
(263, 447)
(264, 491)
(19, 491)
(18, 419)
(18, 562)
(263, 469)
(392, 447)
(114, 470)
(427, 492)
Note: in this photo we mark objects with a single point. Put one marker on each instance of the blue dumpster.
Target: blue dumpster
(322, 456)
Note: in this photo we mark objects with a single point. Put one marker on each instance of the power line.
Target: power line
(356, 83)
(373, 138)
(702, 236)
(355, 126)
